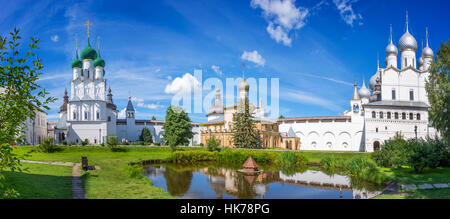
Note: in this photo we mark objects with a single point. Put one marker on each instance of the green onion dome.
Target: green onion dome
(76, 63)
(99, 62)
(88, 52)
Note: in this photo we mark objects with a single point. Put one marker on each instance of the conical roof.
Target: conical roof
(250, 163)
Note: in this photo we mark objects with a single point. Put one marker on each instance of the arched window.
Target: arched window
(389, 115)
(411, 116)
(411, 95)
(403, 115)
(85, 115)
(98, 115)
(418, 116)
(374, 114)
(74, 116)
(396, 115)
(381, 115)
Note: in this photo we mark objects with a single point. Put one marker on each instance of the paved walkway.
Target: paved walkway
(426, 186)
(77, 184)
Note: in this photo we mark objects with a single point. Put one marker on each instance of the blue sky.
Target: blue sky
(317, 48)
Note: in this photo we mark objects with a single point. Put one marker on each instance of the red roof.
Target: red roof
(250, 164)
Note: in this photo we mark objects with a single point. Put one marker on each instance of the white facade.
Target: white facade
(398, 103)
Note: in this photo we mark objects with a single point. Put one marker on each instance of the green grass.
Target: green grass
(110, 181)
(420, 194)
(41, 181)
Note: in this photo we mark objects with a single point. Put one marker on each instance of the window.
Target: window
(381, 115)
(396, 115)
(418, 116)
(411, 116)
(109, 118)
(98, 115)
(376, 129)
(85, 115)
(389, 115)
(374, 114)
(74, 116)
(411, 95)
(403, 115)
(393, 94)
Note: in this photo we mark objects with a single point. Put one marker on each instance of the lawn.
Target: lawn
(109, 181)
(41, 181)
(406, 176)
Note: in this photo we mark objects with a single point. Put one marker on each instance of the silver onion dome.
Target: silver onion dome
(420, 61)
(364, 92)
(407, 42)
(373, 80)
(391, 49)
(427, 52)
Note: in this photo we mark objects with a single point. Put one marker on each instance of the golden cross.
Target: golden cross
(88, 23)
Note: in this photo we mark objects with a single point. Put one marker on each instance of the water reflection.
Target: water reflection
(211, 182)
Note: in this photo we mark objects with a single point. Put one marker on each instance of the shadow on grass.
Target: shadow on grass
(35, 186)
(430, 176)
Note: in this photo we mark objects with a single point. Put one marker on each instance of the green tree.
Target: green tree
(244, 132)
(178, 127)
(213, 144)
(438, 90)
(146, 136)
(153, 118)
(281, 117)
(20, 96)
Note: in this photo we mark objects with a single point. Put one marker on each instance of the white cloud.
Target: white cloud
(135, 99)
(346, 11)
(54, 38)
(121, 114)
(183, 85)
(282, 16)
(217, 69)
(330, 79)
(254, 57)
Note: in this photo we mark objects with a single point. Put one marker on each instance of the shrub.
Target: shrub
(146, 136)
(394, 152)
(330, 162)
(47, 145)
(291, 158)
(134, 171)
(157, 144)
(193, 156)
(441, 150)
(423, 155)
(84, 143)
(111, 143)
(64, 143)
(213, 144)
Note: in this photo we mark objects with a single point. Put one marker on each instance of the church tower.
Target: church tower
(87, 113)
(243, 92)
(391, 53)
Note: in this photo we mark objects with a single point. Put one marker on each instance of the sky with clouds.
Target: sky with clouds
(317, 48)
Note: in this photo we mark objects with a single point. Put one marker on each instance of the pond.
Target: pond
(212, 181)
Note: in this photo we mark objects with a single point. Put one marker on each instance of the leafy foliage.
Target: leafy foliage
(423, 155)
(112, 143)
(47, 145)
(20, 96)
(438, 90)
(134, 171)
(395, 152)
(178, 127)
(146, 136)
(290, 158)
(213, 144)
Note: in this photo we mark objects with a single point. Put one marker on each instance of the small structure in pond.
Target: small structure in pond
(250, 165)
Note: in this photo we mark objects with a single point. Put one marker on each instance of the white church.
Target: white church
(396, 102)
(90, 115)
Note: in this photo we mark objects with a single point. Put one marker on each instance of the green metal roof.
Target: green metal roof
(88, 52)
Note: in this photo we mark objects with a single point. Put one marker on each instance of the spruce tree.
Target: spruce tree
(244, 132)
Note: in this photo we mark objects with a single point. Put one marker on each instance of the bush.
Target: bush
(331, 162)
(64, 143)
(84, 143)
(111, 143)
(47, 145)
(134, 171)
(441, 150)
(213, 144)
(394, 152)
(157, 144)
(291, 158)
(193, 156)
(423, 155)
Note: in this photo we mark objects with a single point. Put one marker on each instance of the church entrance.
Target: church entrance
(376, 146)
